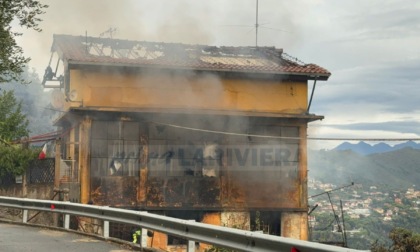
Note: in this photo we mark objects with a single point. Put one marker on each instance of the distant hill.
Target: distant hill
(394, 169)
(367, 149)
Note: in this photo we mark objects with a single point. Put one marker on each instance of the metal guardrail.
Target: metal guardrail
(192, 231)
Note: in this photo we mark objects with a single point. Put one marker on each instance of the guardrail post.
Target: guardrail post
(191, 244)
(143, 239)
(106, 229)
(67, 221)
(143, 235)
(25, 216)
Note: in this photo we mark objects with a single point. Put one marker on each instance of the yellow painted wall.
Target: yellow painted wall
(205, 91)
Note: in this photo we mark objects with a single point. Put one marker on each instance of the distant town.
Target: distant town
(361, 206)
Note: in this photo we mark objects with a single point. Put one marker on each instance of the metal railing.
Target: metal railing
(239, 240)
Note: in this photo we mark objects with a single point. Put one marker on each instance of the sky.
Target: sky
(372, 49)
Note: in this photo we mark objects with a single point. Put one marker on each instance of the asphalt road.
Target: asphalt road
(16, 238)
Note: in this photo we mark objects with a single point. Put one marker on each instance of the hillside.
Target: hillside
(393, 169)
(367, 149)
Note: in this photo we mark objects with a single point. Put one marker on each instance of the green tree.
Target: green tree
(403, 240)
(26, 13)
(13, 125)
(14, 159)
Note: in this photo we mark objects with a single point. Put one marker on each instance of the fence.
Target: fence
(7, 180)
(238, 240)
(38, 171)
(41, 171)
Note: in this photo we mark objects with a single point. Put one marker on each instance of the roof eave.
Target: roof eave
(75, 113)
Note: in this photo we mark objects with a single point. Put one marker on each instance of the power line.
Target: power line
(363, 139)
(287, 138)
(342, 187)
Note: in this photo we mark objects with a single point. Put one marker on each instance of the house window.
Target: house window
(115, 148)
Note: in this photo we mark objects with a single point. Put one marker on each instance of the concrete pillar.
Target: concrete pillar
(84, 160)
(144, 157)
(303, 168)
(294, 225)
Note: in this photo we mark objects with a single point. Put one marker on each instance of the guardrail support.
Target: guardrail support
(143, 239)
(191, 244)
(106, 229)
(67, 221)
(25, 216)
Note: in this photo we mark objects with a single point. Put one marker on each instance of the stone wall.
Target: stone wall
(32, 191)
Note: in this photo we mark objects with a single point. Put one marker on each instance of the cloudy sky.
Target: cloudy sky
(372, 49)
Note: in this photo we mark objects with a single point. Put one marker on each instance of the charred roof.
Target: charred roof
(85, 50)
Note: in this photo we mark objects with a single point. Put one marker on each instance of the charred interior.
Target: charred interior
(213, 162)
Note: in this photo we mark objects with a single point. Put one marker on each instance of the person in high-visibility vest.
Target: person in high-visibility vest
(136, 236)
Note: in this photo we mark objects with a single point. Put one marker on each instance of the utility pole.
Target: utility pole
(256, 26)
(344, 225)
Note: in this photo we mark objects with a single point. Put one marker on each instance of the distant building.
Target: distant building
(361, 211)
(379, 210)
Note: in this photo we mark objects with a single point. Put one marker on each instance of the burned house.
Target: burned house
(215, 134)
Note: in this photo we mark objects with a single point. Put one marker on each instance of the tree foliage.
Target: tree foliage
(13, 125)
(403, 241)
(26, 13)
(15, 159)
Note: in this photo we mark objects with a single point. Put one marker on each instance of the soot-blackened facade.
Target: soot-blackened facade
(215, 134)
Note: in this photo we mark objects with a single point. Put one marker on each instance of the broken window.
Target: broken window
(115, 148)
